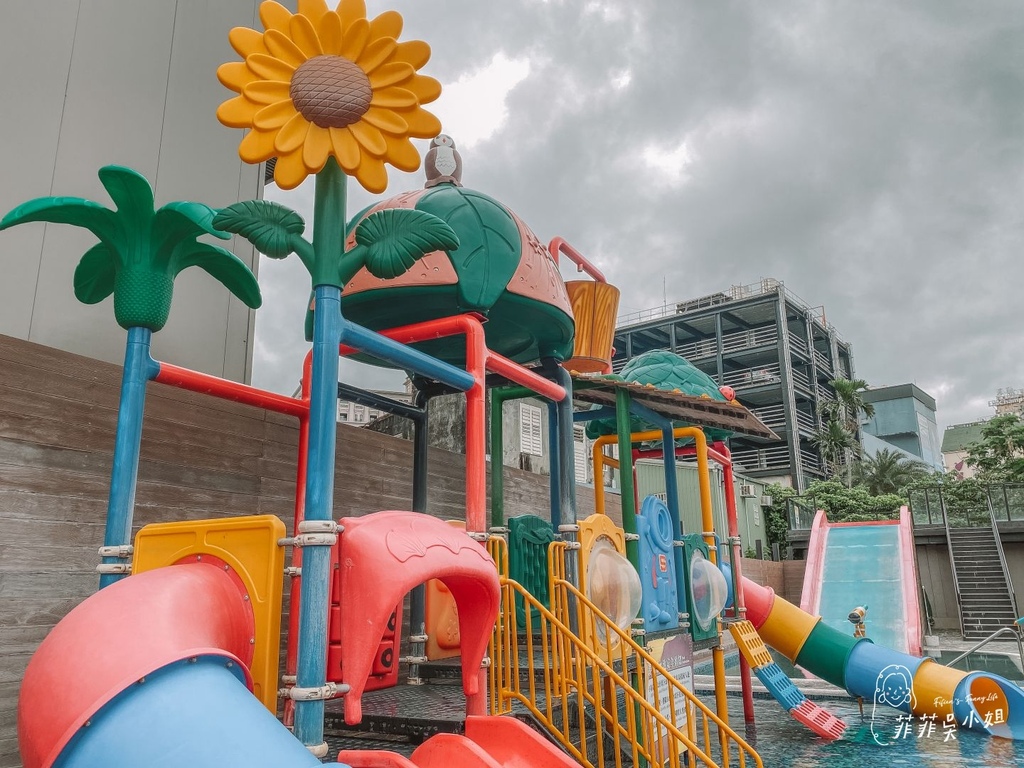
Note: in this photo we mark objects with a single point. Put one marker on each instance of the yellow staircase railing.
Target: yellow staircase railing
(591, 699)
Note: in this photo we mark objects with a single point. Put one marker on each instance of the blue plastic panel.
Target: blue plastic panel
(657, 566)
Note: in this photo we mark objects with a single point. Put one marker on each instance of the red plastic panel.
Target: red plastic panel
(386, 554)
(819, 720)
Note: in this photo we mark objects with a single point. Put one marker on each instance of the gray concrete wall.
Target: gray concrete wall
(89, 83)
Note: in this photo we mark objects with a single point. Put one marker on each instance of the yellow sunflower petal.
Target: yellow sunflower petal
(316, 148)
(388, 24)
(235, 75)
(376, 53)
(270, 67)
(369, 138)
(390, 98)
(313, 10)
(386, 120)
(290, 170)
(257, 146)
(281, 46)
(402, 153)
(390, 74)
(292, 134)
(346, 148)
(329, 31)
(351, 11)
(237, 112)
(427, 89)
(415, 52)
(304, 36)
(246, 41)
(274, 16)
(265, 92)
(356, 35)
(422, 124)
(372, 175)
(274, 116)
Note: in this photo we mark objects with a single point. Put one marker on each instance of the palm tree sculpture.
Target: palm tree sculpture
(141, 251)
(331, 94)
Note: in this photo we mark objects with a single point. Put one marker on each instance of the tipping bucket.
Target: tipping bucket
(594, 306)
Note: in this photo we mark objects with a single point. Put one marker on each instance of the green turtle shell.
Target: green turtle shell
(664, 370)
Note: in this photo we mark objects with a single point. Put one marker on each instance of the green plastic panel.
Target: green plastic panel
(528, 540)
(693, 543)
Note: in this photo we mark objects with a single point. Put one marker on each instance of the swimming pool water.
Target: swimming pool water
(782, 741)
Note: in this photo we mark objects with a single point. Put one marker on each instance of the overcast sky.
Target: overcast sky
(870, 155)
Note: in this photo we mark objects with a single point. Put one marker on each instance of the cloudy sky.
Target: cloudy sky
(870, 155)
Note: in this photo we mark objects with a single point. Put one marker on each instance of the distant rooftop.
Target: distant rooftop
(898, 392)
(764, 286)
(958, 436)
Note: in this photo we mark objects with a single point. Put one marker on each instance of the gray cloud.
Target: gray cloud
(869, 155)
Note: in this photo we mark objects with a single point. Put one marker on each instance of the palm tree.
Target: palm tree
(833, 441)
(888, 471)
(850, 401)
(140, 252)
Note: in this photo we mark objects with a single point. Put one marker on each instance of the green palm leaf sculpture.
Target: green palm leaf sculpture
(141, 250)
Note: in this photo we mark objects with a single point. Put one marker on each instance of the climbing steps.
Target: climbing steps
(802, 709)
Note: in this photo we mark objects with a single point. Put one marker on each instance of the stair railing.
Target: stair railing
(1002, 553)
(590, 696)
(952, 562)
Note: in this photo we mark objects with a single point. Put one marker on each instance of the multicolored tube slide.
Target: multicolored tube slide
(976, 700)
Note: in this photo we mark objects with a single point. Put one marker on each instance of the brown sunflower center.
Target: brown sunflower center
(331, 91)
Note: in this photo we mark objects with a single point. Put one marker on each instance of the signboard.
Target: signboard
(675, 655)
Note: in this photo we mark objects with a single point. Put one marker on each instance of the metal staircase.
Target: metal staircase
(985, 597)
(590, 697)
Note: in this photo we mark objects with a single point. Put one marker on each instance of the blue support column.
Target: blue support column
(316, 561)
(139, 368)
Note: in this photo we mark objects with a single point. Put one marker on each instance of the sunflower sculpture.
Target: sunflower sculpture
(330, 93)
(323, 83)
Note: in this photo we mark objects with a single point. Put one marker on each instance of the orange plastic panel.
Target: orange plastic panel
(442, 616)
(248, 547)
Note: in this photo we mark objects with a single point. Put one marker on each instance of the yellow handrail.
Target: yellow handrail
(570, 687)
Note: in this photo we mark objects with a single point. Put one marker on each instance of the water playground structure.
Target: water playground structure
(573, 637)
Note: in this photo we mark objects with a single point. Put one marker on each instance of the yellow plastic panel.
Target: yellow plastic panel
(594, 529)
(248, 545)
(750, 644)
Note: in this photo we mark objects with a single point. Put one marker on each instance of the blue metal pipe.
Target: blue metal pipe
(311, 670)
(554, 466)
(404, 357)
(139, 368)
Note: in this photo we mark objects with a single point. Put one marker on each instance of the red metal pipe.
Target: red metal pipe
(558, 244)
(291, 640)
(525, 377)
(183, 378)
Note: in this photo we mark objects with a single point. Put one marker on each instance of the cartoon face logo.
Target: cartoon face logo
(894, 687)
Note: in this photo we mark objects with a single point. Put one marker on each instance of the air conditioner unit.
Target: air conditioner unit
(767, 501)
(747, 490)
